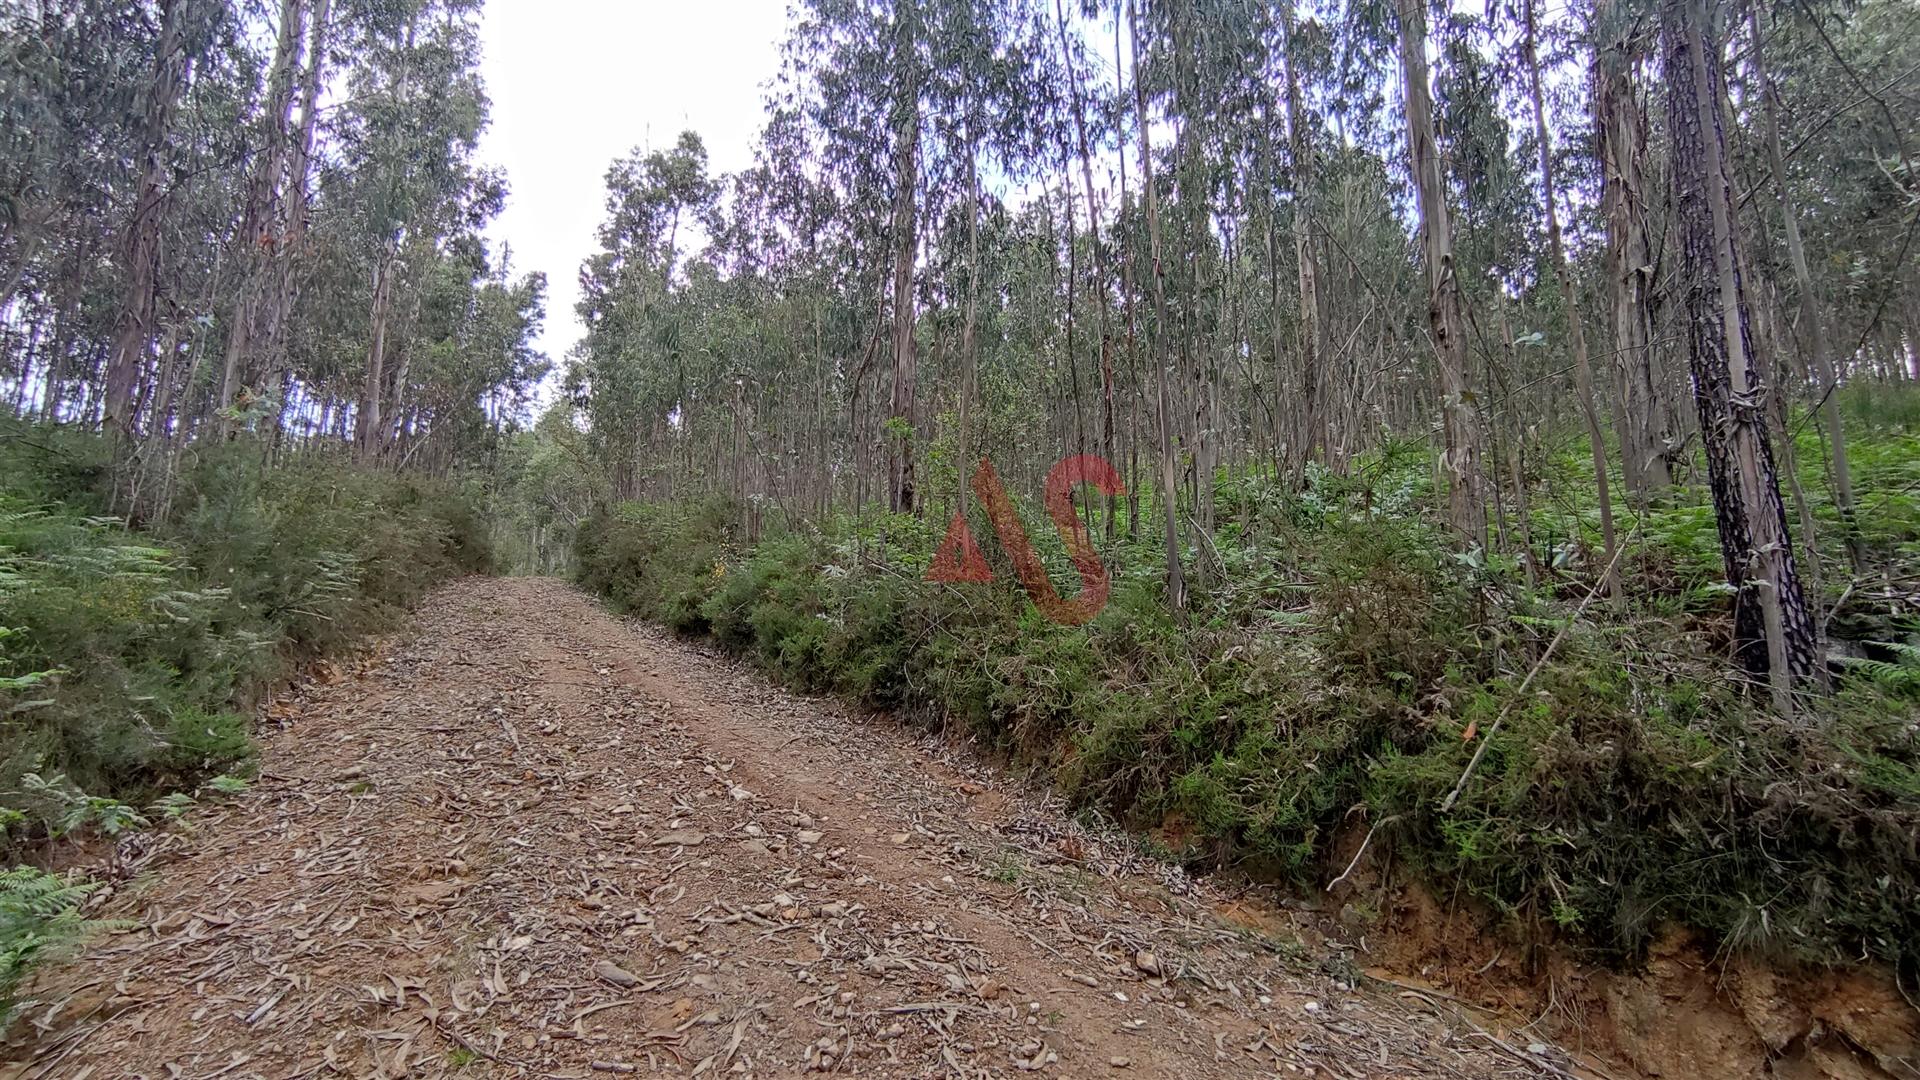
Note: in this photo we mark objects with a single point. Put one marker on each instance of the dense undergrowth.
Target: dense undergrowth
(1337, 671)
(130, 659)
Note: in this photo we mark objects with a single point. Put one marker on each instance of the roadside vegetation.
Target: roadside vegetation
(1516, 411)
(255, 349)
(1337, 680)
(132, 659)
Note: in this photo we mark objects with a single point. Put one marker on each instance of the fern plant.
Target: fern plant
(1900, 675)
(70, 809)
(39, 920)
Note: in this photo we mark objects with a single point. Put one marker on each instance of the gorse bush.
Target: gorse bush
(130, 659)
(662, 561)
(1338, 667)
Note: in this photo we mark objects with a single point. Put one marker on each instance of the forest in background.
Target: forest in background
(1515, 411)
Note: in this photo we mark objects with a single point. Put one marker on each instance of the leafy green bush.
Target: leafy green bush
(1341, 658)
(130, 658)
(657, 561)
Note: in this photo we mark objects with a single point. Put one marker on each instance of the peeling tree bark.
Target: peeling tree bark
(296, 205)
(1621, 125)
(258, 239)
(1460, 448)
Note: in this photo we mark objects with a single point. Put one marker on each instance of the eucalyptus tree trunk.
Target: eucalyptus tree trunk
(1460, 450)
(145, 236)
(1813, 336)
(1312, 349)
(373, 392)
(1773, 629)
(1621, 124)
(1191, 223)
(1569, 298)
(258, 238)
(1287, 425)
(1099, 257)
(63, 318)
(1908, 362)
(906, 167)
(296, 201)
(387, 439)
(968, 357)
(1127, 295)
(1169, 483)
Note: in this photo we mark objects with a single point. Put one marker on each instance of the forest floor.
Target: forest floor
(526, 838)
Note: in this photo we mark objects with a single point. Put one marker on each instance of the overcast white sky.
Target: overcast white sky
(576, 83)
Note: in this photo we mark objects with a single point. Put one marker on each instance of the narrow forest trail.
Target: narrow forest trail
(527, 839)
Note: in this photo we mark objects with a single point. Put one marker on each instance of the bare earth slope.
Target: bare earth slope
(532, 840)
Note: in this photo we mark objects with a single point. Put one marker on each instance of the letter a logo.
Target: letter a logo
(959, 558)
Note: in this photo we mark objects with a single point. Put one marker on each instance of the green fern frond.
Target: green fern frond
(40, 920)
(1897, 676)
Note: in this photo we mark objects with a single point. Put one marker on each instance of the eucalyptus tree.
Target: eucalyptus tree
(1163, 421)
(256, 236)
(1460, 439)
(926, 87)
(1622, 36)
(411, 124)
(630, 371)
(1569, 298)
(194, 198)
(186, 30)
(1301, 137)
(1842, 80)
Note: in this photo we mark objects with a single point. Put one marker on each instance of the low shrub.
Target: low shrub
(1338, 667)
(130, 658)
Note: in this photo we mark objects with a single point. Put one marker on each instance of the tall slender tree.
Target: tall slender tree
(1460, 434)
(1773, 627)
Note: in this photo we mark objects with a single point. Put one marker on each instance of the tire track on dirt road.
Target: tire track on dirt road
(527, 839)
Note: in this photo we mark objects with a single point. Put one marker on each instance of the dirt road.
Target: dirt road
(528, 839)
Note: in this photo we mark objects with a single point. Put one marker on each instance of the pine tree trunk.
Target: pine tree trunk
(1773, 630)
